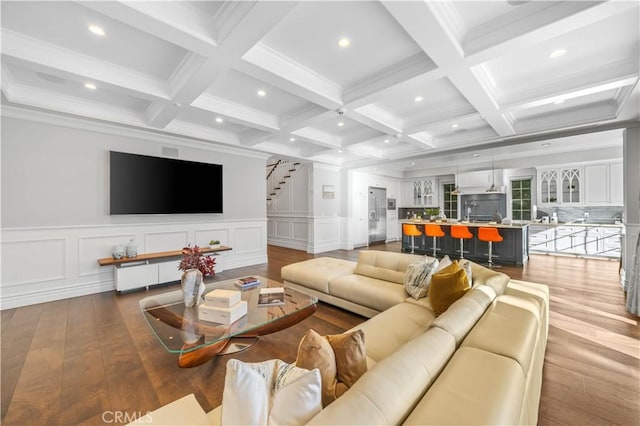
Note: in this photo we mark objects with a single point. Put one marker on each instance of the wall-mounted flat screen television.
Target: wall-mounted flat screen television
(140, 184)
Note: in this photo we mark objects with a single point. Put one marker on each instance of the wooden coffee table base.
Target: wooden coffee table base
(198, 357)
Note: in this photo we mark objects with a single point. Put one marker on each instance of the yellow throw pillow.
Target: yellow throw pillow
(341, 359)
(447, 286)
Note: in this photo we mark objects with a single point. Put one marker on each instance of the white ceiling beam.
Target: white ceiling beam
(169, 21)
(237, 113)
(441, 118)
(381, 120)
(316, 88)
(46, 55)
(200, 131)
(430, 32)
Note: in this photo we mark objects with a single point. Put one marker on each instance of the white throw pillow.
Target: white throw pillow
(417, 277)
(444, 262)
(270, 393)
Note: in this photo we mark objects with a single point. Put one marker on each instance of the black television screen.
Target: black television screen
(140, 184)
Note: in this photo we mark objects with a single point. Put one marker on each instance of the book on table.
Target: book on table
(246, 282)
(271, 296)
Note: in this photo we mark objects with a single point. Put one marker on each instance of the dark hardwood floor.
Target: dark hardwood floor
(93, 359)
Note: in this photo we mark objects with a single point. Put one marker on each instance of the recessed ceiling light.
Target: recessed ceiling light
(262, 93)
(386, 141)
(418, 99)
(96, 30)
(557, 53)
(454, 126)
(413, 163)
(558, 101)
(90, 86)
(546, 144)
(475, 155)
(339, 151)
(292, 139)
(340, 123)
(344, 42)
(219, 120)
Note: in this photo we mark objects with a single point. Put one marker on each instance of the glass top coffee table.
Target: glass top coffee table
(180, 331)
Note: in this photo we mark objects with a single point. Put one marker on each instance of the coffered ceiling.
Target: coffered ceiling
(417, 80)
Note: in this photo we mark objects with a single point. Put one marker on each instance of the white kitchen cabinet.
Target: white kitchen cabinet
(616, 185)
(560, 185)
(420, 192)
(596, 184)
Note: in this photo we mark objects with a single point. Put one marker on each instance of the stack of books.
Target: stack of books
(222, 306)
(246, 282)
(271, 296)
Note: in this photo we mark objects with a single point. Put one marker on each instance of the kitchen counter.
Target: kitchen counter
(469, 224)
(577, 224)
(514, 249)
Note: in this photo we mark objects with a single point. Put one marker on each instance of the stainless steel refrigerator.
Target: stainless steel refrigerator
(377, 215)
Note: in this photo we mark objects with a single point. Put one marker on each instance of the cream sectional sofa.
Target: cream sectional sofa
(480, 362)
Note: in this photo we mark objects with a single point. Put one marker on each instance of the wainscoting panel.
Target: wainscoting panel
(33, 261)
(289, 231)
(326, 235)
(164, 241)
(300, 230)
(283, 229)
(67, 257)
(93, 247)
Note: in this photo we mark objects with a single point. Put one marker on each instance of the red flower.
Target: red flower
(192, 258)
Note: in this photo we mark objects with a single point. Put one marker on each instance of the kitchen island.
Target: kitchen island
(513, 250)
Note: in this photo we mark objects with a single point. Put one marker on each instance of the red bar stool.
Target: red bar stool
(489, 235)
(411, 230)
(435, 231)
(462, 233)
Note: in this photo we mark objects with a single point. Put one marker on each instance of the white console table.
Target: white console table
(148, 269)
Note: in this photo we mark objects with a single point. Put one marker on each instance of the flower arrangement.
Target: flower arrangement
(192, 258)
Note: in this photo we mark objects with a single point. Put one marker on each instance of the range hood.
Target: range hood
(477, 182)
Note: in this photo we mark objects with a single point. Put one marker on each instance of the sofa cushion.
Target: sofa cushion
(418, 277)
(485, 276)
(475, 388)
(389, 391)
(465, 312)
(384, 265)
(371, 292)
(387, 331)
(316, 273)
(447, 286)
(508, 329)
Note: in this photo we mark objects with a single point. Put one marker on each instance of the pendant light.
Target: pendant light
(457, 190)
(492, 188)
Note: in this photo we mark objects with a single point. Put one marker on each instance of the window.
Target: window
(521, 199)
(450, 201)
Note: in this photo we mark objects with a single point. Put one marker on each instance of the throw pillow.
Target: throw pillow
(270, 392)
(466, 265)
(315, 351)
(447, 286)
(444, 262)
(341, 359)
(418, 277)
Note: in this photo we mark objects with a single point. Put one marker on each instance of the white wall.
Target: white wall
(358, 224)
(55, 198)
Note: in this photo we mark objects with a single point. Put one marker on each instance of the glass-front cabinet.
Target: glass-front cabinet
(420, 192)
(560, 185)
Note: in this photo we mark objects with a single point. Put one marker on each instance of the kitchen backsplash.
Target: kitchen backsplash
(597, 214)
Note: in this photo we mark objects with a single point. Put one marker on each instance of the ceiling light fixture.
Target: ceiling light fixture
(454, 126)
(475, 155)
(96, 30)
(386, 141)
(292, 139)
(457, 190)
(340, 123)
(90, 86)
(557, 53)
(418, 99)
(339, 151)
(344, 42)
(493, 187)
(219, 120)
(262, 93)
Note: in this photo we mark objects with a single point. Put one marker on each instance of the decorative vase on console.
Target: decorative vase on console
(132, 249)
(117, 251)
